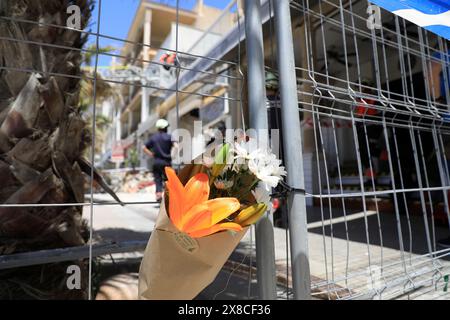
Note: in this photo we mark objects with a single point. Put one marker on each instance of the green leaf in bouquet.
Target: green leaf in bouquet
(220, 161)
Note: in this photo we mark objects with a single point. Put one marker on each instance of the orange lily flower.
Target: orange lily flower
(190, 210)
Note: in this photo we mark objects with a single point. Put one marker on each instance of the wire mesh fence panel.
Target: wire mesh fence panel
(77, 105)
(375, 150)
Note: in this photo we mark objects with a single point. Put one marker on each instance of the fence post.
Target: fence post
(265, 248)
(292, 150)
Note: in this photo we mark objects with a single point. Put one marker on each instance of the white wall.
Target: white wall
(187, 37)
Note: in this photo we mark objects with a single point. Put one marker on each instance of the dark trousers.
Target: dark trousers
(159, 174)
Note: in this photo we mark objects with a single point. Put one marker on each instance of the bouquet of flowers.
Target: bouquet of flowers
(210, 207)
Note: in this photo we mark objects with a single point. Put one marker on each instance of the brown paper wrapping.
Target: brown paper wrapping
(177, 267)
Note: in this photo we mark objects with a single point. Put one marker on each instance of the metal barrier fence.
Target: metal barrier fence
(375, 132)
(371, 150)
(44, 156)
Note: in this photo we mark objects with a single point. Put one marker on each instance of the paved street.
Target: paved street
(135, 222)
(345, 263)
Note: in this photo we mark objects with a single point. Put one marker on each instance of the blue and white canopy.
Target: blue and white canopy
(433, 15)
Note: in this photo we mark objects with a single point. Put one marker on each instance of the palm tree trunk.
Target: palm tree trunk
(42, 138)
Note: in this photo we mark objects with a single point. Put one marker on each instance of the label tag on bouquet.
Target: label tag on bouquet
(186, 242)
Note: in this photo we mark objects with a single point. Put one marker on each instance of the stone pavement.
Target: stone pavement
(339, 268)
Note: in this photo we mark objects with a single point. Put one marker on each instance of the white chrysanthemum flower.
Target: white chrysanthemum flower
(241, 151)
(261, 162)
(262, 195)
(267, 168)
(223, 184)
(245, 150)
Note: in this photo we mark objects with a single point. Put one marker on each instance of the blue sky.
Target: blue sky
(117, 16)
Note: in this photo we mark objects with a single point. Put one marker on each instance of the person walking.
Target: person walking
(159, 147)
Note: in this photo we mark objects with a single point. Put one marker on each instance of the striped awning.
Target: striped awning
(432, 15)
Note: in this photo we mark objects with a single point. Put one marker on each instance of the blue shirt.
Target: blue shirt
(161, 145)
